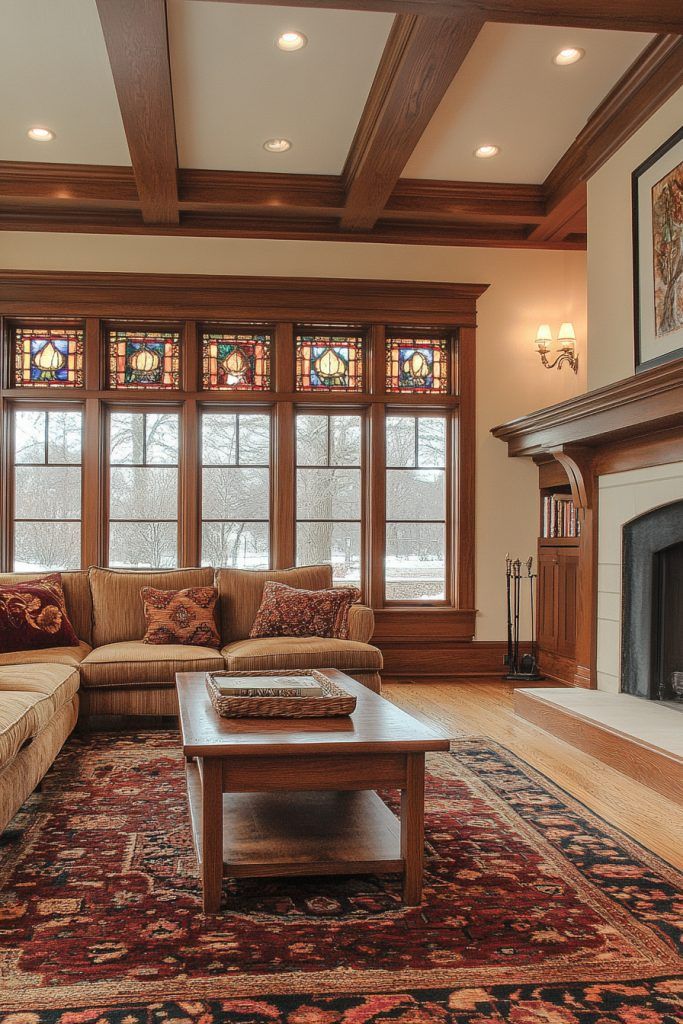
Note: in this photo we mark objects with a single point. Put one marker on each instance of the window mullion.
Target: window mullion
(375, 506)
(92, 509)
(283, 489)
(189, 485)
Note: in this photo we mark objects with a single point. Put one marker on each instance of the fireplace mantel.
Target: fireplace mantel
(634, 408)
(633, 424)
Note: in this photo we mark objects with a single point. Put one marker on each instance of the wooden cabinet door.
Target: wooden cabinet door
(547, 600)
(566, 594)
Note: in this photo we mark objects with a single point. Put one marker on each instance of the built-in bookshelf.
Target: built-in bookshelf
(558, 552)
(559, 516)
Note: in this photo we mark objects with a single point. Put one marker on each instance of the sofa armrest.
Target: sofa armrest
(361, 623)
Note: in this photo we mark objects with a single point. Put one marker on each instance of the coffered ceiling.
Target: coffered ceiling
(160, 111)
(54, 71)
(508, 91)
(233, 88)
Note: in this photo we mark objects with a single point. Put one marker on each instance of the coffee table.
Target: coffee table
(274, 797)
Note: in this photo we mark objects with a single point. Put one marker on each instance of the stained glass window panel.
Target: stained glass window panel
(329, 362)
(48, 356)
(236, 362)
(144, 359)
(417, 365)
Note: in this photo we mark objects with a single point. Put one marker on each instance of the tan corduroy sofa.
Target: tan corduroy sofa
(112, 672)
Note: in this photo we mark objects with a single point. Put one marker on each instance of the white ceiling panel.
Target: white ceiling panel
(54, 73)
(509, 93)
(233, 88)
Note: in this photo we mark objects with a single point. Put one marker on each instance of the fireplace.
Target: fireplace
(652, 622)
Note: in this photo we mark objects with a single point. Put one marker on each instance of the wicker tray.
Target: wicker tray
(334, 701)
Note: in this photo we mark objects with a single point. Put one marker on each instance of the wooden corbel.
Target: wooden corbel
(577, 462)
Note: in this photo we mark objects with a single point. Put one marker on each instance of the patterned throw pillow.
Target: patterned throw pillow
(181, 616)
(286, 611)
(33, 615)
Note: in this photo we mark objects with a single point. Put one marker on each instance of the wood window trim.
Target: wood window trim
(280, 304)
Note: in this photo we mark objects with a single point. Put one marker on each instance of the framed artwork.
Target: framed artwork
(657, 191)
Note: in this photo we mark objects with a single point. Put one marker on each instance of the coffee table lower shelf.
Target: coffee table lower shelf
(301, 833)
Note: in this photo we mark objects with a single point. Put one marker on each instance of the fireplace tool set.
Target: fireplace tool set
(526, 666)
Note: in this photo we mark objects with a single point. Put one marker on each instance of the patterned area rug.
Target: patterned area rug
(535, 910)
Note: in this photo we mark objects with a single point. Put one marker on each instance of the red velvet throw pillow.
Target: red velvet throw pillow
(33, 615)
(287, 611)
(181, 616)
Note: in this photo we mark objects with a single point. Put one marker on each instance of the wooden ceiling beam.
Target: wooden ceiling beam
(136, 37)
(315, 227)
(420, 60)
(625, 15)
(75, 184)
(274, 193)
(436, 200)
(25, 185)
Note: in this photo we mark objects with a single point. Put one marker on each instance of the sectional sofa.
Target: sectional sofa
(111, 672)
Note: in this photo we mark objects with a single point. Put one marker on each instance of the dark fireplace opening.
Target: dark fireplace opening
(652, 623)
(668, 680)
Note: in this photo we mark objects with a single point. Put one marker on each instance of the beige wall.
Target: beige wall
(526, 288)
(610, 252)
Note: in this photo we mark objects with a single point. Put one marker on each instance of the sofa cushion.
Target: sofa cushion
(72, 656)
(57, 682)
(181, 616)
(33, 615)
(300, 652)
(118, 614)
(17, 722)
(134, 663)
(289, 611)
(361, 623)
(29, 701)
(76, 588)
(241, 590)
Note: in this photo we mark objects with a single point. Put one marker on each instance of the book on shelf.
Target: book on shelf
(268, 686)
(560, 517)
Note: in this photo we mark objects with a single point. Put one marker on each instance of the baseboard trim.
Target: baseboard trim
(454, 660)
(557, 667)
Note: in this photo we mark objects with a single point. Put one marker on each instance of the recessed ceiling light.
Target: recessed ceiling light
(290, 41)
(484, 152)
(40, 134)
(277, 145)
(569, 55)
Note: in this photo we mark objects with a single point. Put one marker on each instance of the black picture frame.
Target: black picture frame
(643, 362)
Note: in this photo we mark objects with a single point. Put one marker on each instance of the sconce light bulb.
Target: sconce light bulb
(566, 337)
(544, 337)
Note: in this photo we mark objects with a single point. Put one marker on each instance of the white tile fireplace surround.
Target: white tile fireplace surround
(622, 497)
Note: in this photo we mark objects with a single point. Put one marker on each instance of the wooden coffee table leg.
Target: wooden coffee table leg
(412, 828)
(212, 833)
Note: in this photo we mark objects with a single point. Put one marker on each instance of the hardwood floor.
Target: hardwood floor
(484, 708)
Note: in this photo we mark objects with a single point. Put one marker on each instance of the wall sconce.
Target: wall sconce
(566, 339)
